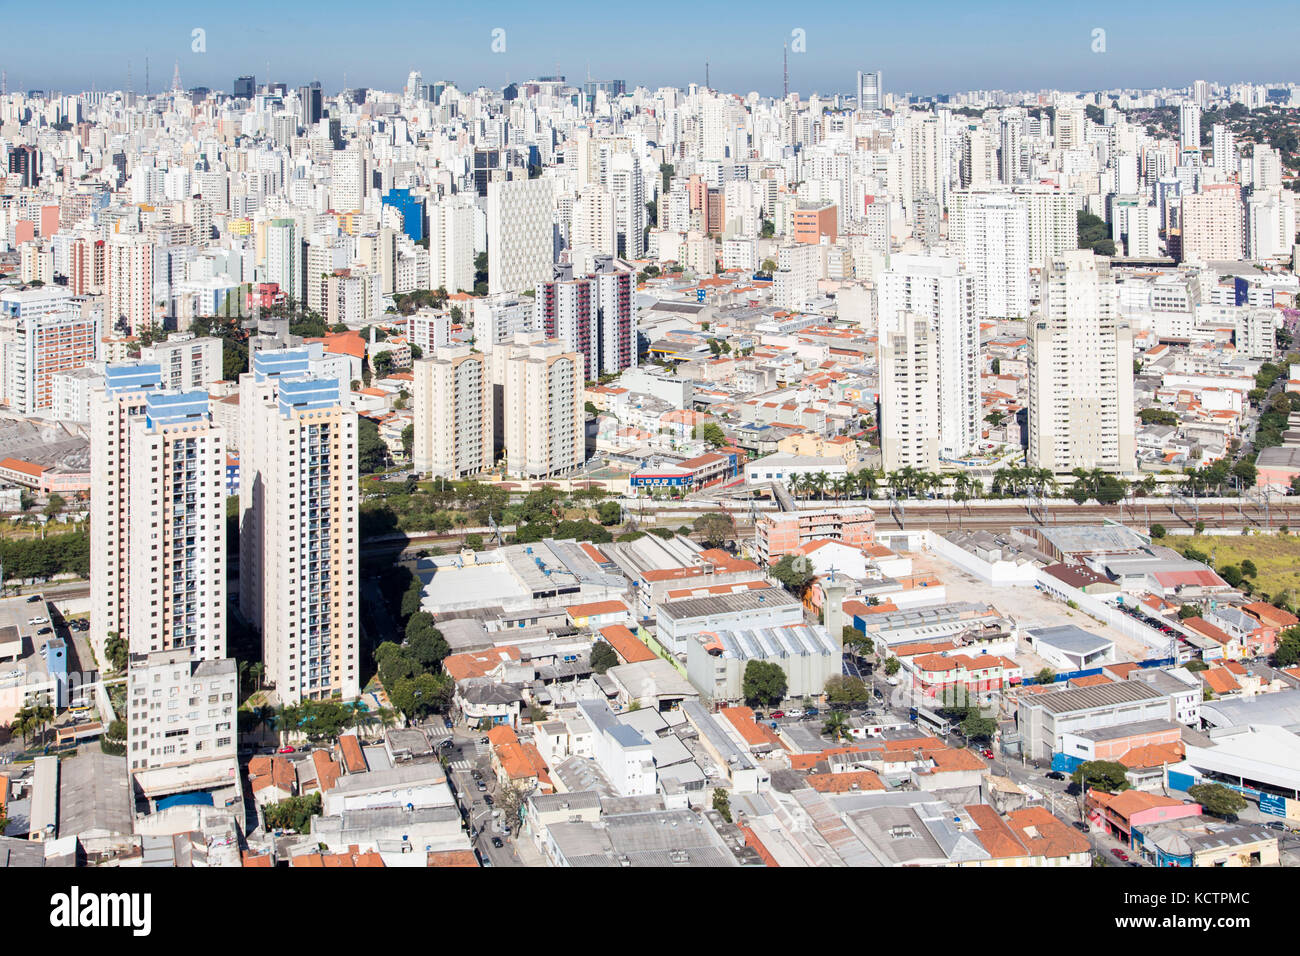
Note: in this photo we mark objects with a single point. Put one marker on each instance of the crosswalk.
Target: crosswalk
(462, 765)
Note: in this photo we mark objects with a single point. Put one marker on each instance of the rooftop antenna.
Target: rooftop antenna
(707, 85)
(146, 78)
(4, 82)
(785, 70)
(176, 78)
(130, 86)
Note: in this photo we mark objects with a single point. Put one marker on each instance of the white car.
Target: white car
(794, 713)
(38, 620)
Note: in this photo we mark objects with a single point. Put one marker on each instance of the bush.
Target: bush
(295, 813)
(1158, 531)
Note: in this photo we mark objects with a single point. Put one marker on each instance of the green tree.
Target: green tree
(1232, 574)
(609, 513)
(722, 803)
(794, 572)
(117, 651)
(856, 641)
(1218, 800)
(975, 727)
(54, 505)
(293, 813)
(764, 683)
(474, 542)
(1248, 568)
(845, 689)
(836, 726)
(1189, 610)
(715, 527)
(408, 440)
(712, 432)
(1288, 648)
(892, 666)
(603, 657)
(1106, 775)
(1045, 676)
(372, 453)
(1158, 531)
(113, 741)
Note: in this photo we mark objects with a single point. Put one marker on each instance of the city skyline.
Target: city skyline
(959, 50)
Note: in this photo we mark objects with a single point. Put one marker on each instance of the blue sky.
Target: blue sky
(925, 47)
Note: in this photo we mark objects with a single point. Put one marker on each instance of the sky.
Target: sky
(925, 47)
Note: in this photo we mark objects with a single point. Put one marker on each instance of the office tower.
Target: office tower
(1213, 226)
(451, 246)
(593, 316)
(871, 90)
(815, 221)
(453, 413)
(298, 534)
(245, 87)
(1080, 371)
(129, 273)
(909, 394)
(310, 104)
(1201, 93)
(543, 423)
(411, 209)
(1189, 127)
(521, 235)
(627, 186)
(181, 712)
(1225, 149)
(158, 516)
(935, 288)
(24, 161)
(50, 334)
(594, 226)
(995, 249)
(284, 258)
(347, 179)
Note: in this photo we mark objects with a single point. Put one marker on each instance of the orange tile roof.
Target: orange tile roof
(597, 608)
(1043, 834)
(1153, 755)
(1220, 680)
(1270, 615)
(750, 730)
(354, 760)
(1090, 680)
(478, 663)
(998, 839)
(452, 858)
(328, 770)
(353, 857)
(626, 644)
(846, 782)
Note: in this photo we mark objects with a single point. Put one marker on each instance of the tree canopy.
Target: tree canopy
(764, 683)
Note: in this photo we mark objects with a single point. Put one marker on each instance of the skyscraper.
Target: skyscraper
(592, 315)
(871, 90)
(129, 279)
(1189, 127)
(909, 394)
(521, 235)
(298, 530)
(245, 87)
(158, 519)
(995, 248)
(934, 287)
(1080, 371)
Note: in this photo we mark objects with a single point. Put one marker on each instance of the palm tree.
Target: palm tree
(795, 484)
(843, 486)
(1001, 480)
(866, 479)
(836, 726)
(819, 482)
(961, 486)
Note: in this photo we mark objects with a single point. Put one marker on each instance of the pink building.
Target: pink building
(1119, 813)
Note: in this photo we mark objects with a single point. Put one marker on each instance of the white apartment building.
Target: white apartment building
(453, 413)
(185, 361)
(1270, 226)
(128, 280)
(347, 179)
(451, 246)
(521, 235)
(499, 318)
(594, 225)
(180, 711)
(995, 249)
(1213, 226)
(1080, 371)
(157, 507)
(543, 423)
(937, 288)
(284, 252)
(909, 394)
(43, 332)
(797, 275)
(298, 532)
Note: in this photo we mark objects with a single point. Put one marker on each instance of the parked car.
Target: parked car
(286, 750)
(35, 621)
(476, 774)
(1119, 855)
(811, 712)
(487, 798)
(496, 842)
(778, 714)
(1056, 775)
(1081, 826)
(34, 597)
(794, 713)
(46, 630)
(482, 787)
(986, 753)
